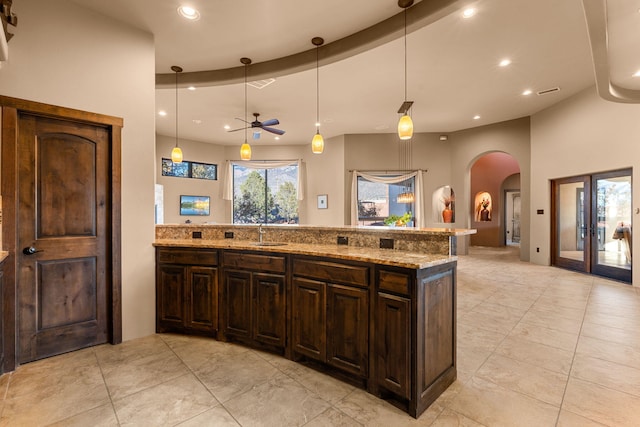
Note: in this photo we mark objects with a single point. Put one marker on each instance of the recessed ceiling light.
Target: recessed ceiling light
(505, 62)
(189, 13)
(227, 127)
(468, 12)
(162, 113)
(191, 88)
(277, 138)
(636, 74)
(197, 121)
(527, 92)
(476, 117)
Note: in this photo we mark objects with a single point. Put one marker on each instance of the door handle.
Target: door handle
(593, 230)
(30, 250)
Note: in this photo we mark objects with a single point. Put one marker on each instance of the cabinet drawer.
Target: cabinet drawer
(332, 272)
(188, 256)
(266, 263)
(393, 281)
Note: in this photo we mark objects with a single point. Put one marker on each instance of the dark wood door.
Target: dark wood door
(269, 309)
(309, 318)
(63, 224)
(202, 299)
(393, 343)
(170, 297)
(347, 328)
(237, 301)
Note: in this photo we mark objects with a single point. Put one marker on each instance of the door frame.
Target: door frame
(10, 108)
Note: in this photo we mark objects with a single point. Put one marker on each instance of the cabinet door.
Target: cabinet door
(347, 328)
(393, 345)
(202, 299)
(170, 297)
(237, 295)
(269, 311)
(309, 318)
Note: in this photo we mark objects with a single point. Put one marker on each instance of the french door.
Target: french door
(591, 228)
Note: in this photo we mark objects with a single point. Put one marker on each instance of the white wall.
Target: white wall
(581, 135)
(65, 55)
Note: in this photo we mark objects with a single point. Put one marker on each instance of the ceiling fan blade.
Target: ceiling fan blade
(242, 120)
(273, 130)
(270, 122)
(234, 130)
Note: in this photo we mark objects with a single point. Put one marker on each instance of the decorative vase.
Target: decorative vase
(484, 215)
(447, 215)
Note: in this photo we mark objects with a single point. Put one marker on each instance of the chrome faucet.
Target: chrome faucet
(261, 232)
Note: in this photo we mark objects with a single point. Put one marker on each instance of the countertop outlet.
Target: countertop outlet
(386, 243)
(342, 240)
(228, 234)
(196, 235)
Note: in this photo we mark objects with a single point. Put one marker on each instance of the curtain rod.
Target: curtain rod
(392, 171)
(265, 161)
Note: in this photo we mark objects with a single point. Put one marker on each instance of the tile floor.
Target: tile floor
(537, 346)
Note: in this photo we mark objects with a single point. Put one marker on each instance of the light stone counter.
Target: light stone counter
(3, 255)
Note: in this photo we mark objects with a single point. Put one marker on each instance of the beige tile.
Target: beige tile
(515, 299)
(601, 404)
(552, 301)
(215, 417)
(468, 361)
(371, 411)
(229, 377)
(166, 404)
(629, 337)
(474, 337)
(553, 319)
(611, 320)
(281, 401)
(493, 405)
(200, 351)
(494, 317)
(332, 417)
(540, 383)
(543, 335)
(102, 416)
(606, 350)
(541, 355)
(569, 419)
(608, 374)
(449, 418)
(130, 351)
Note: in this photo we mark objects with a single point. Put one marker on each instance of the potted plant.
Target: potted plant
(397, 220)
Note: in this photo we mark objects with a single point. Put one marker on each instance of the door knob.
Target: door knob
(30, 250)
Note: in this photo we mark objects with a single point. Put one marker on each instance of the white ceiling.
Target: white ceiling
(452, 63)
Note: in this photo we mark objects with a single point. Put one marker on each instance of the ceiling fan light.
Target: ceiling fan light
(405, 127)
(245, 152)
(317, 144)
(176, 155)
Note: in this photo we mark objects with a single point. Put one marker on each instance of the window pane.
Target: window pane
(378, 202)
(265, 195)
(204, 171)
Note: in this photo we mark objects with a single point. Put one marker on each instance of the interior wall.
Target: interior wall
(488, 174)
(511, 137)
(63, 54)
(173, 187)
(324, 177)
(510, 184)
(581, 135)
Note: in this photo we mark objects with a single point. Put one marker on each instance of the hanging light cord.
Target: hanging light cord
(176, 108)
(245, 102)
(317, 89)
(405, 53)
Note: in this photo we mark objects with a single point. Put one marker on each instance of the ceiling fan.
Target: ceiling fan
(257, 124)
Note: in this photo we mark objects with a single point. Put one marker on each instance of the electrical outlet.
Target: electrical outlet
(196, 234)
(342, 240)
(386, 243)
(228, 234)
(537, 249)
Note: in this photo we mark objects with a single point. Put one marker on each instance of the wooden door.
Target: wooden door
(237, 303)
(202, 299)
(63, 205)
(170, 297)
(393, 343)
(309, 318)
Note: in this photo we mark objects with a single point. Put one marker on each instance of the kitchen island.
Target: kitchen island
(383, 319)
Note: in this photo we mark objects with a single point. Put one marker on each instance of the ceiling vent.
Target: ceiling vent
(260, 84)
(548, 91)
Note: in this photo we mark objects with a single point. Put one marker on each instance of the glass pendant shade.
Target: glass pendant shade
(405, 127)
(176, 155)
(245, 151)
(317, 143)
(405, 197)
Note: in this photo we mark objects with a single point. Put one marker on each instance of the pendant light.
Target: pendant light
(405, 124)
(245, 149)
(317, 143)
(176, 153)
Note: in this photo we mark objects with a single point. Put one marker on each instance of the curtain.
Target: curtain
(227, 181)
(418, 214)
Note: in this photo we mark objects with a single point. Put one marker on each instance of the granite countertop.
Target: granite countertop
(3, 255)
(352, 253)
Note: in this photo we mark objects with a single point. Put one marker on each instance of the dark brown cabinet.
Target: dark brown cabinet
(2, 317)
(187, 291)
(255, 299)
(330, 310)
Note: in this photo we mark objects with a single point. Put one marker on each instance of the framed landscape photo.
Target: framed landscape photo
(194, 205)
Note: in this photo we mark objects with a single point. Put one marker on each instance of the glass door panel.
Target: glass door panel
(571, 232)
(612, 216)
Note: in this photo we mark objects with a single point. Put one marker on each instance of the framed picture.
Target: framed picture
(322, 201)
(194, 205)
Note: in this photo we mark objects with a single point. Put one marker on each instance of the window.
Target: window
(267, 196)
(378, 202)
(187, 169)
